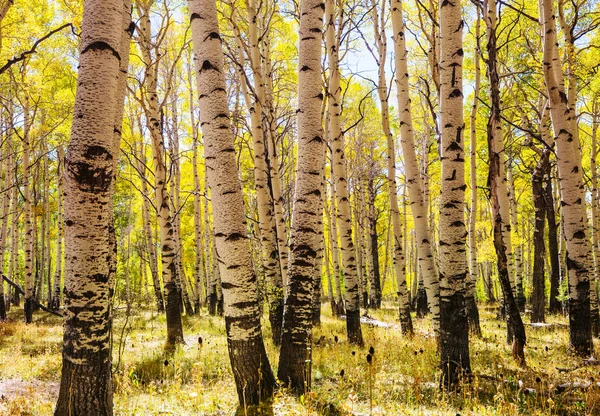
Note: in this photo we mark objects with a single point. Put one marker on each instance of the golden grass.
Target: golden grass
(197, 380)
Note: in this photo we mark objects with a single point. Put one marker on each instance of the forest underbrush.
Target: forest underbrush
(401, 379)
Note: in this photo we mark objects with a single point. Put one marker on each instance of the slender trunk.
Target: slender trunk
(538, 303)
(413, 180)
(4, 182)
(251, 369)
(336, 138)
(199, 267)
(147, 226)
(307, 201)
(571, 189)
(162, 199)
(472, 311)
(335, 255)
(375, 301)
(27, 220)
(595, 223)
(60, 227)
(499, 195)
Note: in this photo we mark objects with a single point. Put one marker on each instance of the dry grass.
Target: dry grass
(198, 381)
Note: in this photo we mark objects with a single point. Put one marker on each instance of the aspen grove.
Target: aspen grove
(299, 207)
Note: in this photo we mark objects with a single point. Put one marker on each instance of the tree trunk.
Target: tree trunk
(595, 222)
(413, 179)
(336, 138)
(571, 189)
(199, 267)
(269, 255)
(176, 207)
(335, 255)
(4, 182)
(86, 383)
(454, 326)
(60, 226)
(472, 311)
(162, 200)
(28, 225)
(307, 201)
(147, 226)
(251, 369)
(499, 195)
(538, 300)
(373, 245)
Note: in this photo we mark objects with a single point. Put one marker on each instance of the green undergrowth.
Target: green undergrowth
(402, 378)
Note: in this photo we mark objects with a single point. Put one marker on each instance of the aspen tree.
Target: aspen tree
(380, 56)
(595, 217)
(251, 369)
(307, 200)
(413, 180)
(266, 221)
(498, 143)
(336, 138)
(571, 188)
(162, 198)
(472, 311)
(454, 327)
(60, 227)
(4, 182)
(86, 384)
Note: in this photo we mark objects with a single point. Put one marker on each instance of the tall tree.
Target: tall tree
(334, 14)
(571, 188)
(152, 108)
(86, 383)
(413, 179)
(307, 200)
(251, 369)
(454, 327)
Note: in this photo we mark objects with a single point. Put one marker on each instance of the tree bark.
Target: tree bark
(472, 311)
(571, 189)
(454, 327)
(336, 138)
(413, 179)
(307, 201)
(27, 220)
(86, 383)
(251, 369)
(162, 200)
(60, 228)
(538, 303)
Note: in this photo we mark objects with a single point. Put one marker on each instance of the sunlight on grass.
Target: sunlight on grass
(403, 375)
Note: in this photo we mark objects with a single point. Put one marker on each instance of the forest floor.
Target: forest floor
(404, 375)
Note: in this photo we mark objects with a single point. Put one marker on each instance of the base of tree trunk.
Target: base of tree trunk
(473, 315)
(580, 325)
(189, 309)
(518, 352)
(453, 341)
(86, 389)
(2, 308)
(406, 325)
(254, 379)
(422, 307)
(211, 302)
(173, 312)
(292, 371)
(353, 327)
(276, 319)
(29, 305)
